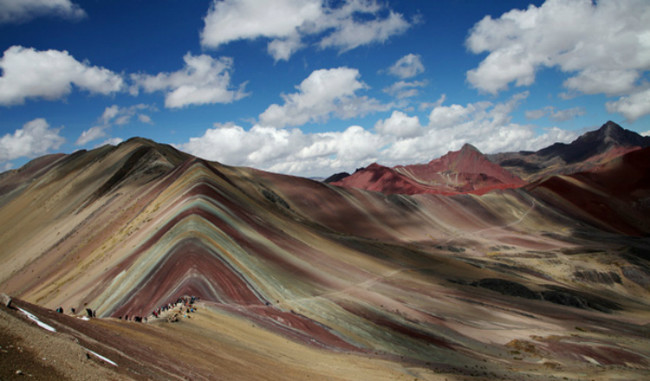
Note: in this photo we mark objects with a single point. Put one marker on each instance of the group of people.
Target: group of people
(185, 302)
(89, 312)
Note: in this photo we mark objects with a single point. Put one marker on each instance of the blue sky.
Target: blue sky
(314, 87)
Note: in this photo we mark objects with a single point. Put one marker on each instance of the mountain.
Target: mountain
(614, 196)
(464, 171)
(194, 269)
(587, 151)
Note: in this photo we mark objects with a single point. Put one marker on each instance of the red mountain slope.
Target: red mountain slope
(463, 171)
(613, 196)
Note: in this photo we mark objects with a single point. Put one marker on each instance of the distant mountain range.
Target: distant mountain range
(587, 151)
(470, 171)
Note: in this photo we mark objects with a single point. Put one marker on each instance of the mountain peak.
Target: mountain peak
(469, 147)
(610, 129)
(609, 126)
(608, 135)
(463, 160)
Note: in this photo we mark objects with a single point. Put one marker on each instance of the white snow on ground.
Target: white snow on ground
(101, 357)
(35, 320)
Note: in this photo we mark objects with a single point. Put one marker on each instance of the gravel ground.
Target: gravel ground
(29, 352)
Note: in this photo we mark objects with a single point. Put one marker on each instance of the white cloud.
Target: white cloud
(50, 74)
(432, 105)
(324, 93)
(486, 125)
(536, 114)
(604, 45)
(203, 80)
(288, 22)
(91, 134)
(34, 139)
(115, 115)
(610, 82)
(111, 141)
(404, 89)
(143, 118)
(232, 20)
(350, 33)
(399, 124)
(633, 106)
(284, 150)
(399, 139)
(555, 115)
(283, 49)
(17, 11)
(408, 66)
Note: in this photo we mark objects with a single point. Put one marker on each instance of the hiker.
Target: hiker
(89, 312)
(59, 310)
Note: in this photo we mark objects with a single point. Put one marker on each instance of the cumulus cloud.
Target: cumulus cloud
(203, 80)
(398, 139)
(34, 139)
(603, 45)
(554, 114)
(287, 23)
(632, 107)
(405, 89)
(323, 93)
(408, 66)
(400, 125)
(115, 115)
(17, 11)
(50, 74)
(283, 49)
(232, 20)
(486, 125)
(284, 150)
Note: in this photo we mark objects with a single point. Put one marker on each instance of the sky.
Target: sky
(316, 87)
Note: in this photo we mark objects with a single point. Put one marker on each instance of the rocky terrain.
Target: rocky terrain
(167, 266)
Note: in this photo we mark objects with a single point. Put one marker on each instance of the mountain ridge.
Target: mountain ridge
(469, 171)
(464, 171)
(589, 150)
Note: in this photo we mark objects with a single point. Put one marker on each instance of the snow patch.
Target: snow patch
(33, 318)
(101, 357)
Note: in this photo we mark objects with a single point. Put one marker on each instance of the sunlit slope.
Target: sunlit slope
(128, 229)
